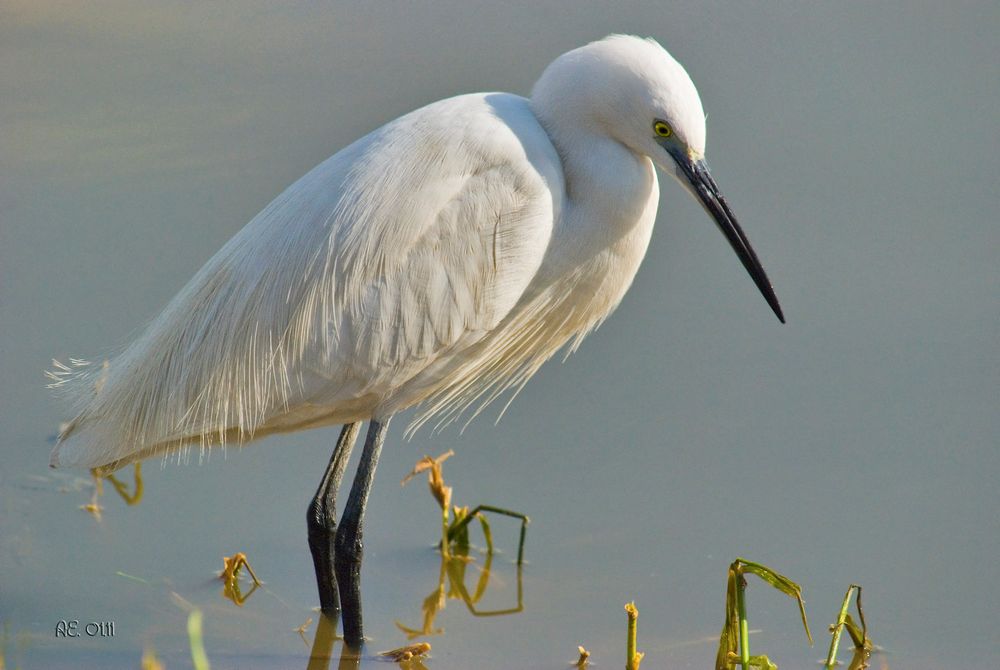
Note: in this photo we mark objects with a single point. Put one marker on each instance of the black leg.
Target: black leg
(322, 520)
(348, 544)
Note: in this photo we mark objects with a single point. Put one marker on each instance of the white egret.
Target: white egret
(437, 261)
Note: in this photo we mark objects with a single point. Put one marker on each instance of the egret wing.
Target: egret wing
(407, 246)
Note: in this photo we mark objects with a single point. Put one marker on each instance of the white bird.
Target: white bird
(437, 261)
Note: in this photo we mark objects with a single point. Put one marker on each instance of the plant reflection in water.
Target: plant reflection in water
(455, 570)
(350, 658)
(457, 555)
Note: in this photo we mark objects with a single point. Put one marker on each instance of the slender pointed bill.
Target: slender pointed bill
(696, 172)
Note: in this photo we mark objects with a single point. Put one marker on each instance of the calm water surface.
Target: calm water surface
(856, 444)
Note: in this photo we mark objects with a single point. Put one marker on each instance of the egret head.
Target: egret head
(621, 86)
(633, 91)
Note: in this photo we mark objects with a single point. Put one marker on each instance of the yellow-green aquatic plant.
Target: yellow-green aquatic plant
(230, 578)
(859, 635)
(135, 497)
(632, 657)
(407, 653)
(735, 631)
(198, 657)
(455, 534)
(149, 660)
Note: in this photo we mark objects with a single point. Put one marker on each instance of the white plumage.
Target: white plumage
(441, 259)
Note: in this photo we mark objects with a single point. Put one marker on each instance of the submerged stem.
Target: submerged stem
(198, 657)
(838, 628)
(741, 608)
(632, 657)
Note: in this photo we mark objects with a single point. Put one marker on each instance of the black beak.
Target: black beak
(702, 185)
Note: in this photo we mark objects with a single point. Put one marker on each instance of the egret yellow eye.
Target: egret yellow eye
(663, 129)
